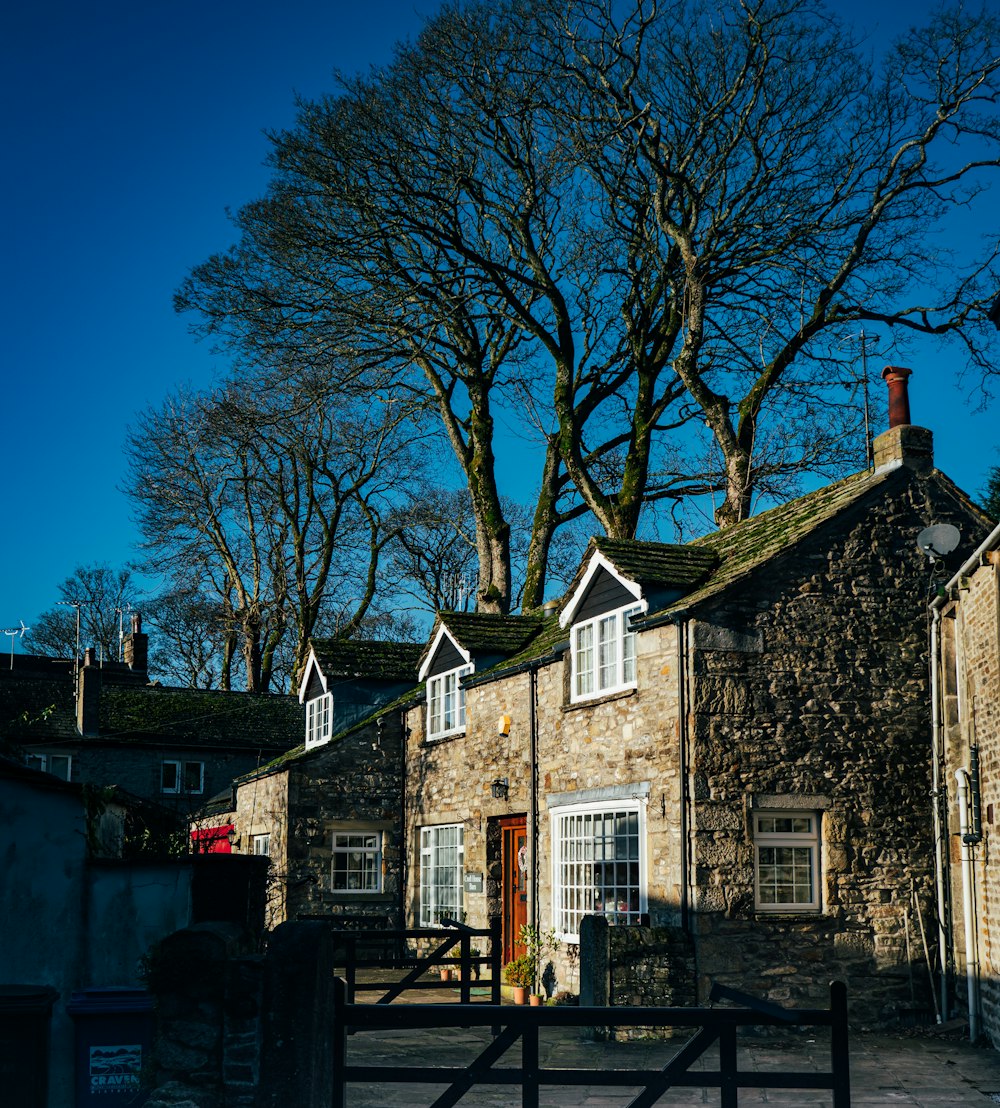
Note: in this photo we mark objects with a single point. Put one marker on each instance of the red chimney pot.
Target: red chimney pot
(899, 399)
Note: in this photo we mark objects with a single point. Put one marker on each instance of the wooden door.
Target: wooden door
(515, 883)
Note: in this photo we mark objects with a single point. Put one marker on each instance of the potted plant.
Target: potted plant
(538, 945)
(474, 955)
(519, 973)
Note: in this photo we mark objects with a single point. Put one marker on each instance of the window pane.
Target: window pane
(193, 776)
(170, 777)
(610, 884)
(441, 872)
(607, 638)
(585, 660)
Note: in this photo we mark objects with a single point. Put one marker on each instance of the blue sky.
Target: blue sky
(129, 130)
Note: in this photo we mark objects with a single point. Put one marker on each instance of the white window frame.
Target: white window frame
(44, 762)
(180, 777)
(319, 720)
(805, 843)
(260, 844)
(433, 844)
(575, 886)
(604, 653)
(446, 702)
(345, 843)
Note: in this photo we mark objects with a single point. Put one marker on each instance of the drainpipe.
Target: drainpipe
(533, 914)
(681, 624)
(969, 903)
(937, 800)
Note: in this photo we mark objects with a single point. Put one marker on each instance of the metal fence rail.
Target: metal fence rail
(450, 947)
(513, 1023)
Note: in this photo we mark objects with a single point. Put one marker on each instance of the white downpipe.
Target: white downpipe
(969, 905)
(936, 801)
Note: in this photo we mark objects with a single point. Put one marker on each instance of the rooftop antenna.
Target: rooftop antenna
(866, 340)
(121, 630)
(15, 631)
(76, 656)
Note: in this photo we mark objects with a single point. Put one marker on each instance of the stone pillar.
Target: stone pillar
(297, 1056)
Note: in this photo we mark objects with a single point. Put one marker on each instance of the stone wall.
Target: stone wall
(622, 740)
(825, 707)
(971, 636)
(352, 783)
(208, 1020)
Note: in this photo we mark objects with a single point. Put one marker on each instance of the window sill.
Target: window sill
(342, 895)
(603, 698)
(433, 740)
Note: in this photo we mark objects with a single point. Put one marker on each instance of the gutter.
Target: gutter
(969, 903)
(681, 622)
(991, 542)
(938, 802)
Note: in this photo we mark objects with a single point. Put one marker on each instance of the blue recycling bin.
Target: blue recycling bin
(114, 1036)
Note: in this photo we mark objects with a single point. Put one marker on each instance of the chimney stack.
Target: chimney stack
(896, 378)
(903, 444)
(137, 646)
(88, 695)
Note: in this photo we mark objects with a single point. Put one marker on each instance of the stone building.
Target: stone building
(105, 723)
(965, 648)
(729, 737)
(328, 813)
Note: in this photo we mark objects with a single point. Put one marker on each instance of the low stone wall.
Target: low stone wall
(635, 967)
(236, 1029)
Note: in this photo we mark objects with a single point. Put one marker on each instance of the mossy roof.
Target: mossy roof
(38, 705)
(485, 633)
(380, 661)
(201, 717)
(657, 564)
(299, 753)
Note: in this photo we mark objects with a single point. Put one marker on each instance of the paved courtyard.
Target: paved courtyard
(915, 1071)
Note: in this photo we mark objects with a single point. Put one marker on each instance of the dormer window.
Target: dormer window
(319, 719)
(603, 652)
(446, 703)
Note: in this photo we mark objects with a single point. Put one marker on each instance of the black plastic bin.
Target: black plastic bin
(25, 1015)
(114, 1033)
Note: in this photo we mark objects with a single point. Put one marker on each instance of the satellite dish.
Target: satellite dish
(938, 540)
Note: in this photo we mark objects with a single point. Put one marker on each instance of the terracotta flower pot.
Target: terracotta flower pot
(536, 1000)
(445, 974)
(520, 993)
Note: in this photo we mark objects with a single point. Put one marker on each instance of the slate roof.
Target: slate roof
(37, 705)
(745, 547)
(482, 633)
(205, 718)
(383, 661)
(655, 564)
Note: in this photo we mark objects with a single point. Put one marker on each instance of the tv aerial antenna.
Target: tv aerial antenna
(15, 632)
(867, 342)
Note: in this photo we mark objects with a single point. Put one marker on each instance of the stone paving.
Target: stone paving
(915, 1071)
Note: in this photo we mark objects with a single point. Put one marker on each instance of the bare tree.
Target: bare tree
(798, 191)
(101, 595)
(277, 499)
(637, 227)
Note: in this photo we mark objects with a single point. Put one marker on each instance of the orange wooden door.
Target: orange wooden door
(515, 883)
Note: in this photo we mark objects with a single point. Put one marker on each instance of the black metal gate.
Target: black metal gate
(449, 947)
(513, 1023)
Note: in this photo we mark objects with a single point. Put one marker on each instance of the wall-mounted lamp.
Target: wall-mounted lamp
(503, 725)
(232, 836)
(500, 789)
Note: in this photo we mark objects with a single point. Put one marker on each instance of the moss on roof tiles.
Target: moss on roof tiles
(209, 717)
(384, 661)
(745, 546)
(409, 699)
(482, 633)
(665, 564)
